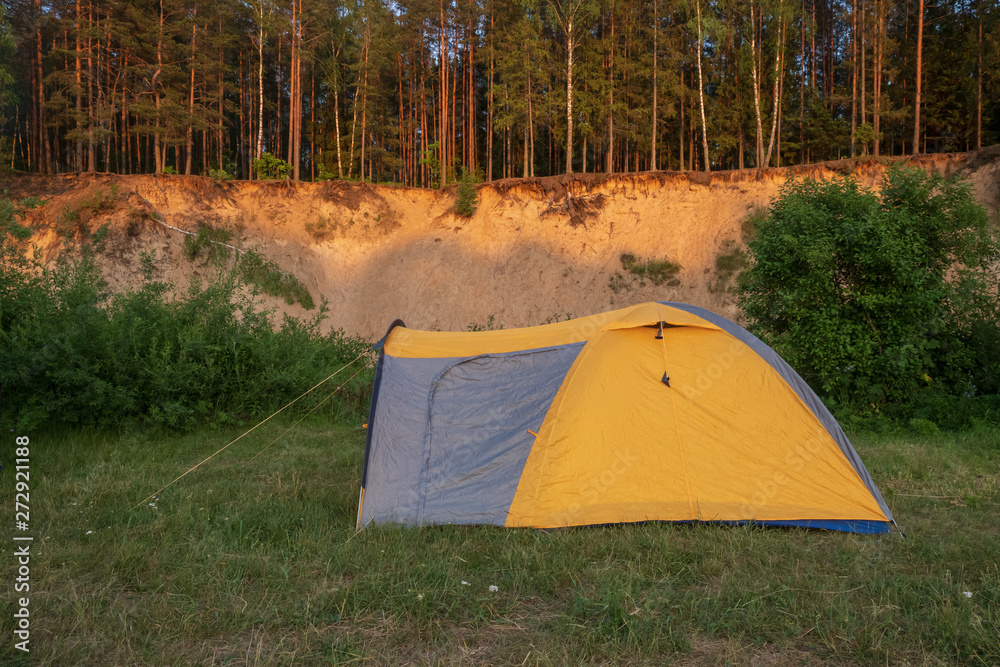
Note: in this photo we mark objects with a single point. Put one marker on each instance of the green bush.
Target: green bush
(270, 168)
(430, 158)
(210, 243)
(877, 298)
(324, 175)
(468, 197)
(71, 352)
(264, 274)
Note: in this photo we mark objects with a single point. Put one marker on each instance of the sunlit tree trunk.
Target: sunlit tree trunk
(443, 65)
(854, 76)
(701, 94)
(189, 134)
(756, 88)
(777, 84)
(656, 30)
(916, 101)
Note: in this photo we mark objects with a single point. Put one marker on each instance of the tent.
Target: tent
(656, 412)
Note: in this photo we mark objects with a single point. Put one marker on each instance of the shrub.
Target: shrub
(100, 202)
(430, 158)
(324, 175)
(270, 168)
(71, 352)
(877, 297)
(209, 242)
(264, 274)
(468, 197)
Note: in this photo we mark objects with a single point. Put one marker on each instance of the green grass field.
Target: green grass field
(258, 564)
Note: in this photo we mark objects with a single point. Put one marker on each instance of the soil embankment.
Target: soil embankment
(535, 250)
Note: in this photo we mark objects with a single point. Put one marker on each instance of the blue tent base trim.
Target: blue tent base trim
(859, 526)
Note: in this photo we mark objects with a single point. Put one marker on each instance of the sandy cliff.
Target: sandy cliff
(536, 249)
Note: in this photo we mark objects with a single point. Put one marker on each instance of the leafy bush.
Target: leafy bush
(209, 241)
(430, 158)
(253, 269)
(72, 352)
(169, 170)
(219, 175)
(468, 197)
(877, 298)
(268, 167)
(100, 202)
(324, 175)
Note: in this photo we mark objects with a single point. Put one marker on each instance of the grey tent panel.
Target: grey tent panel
(396, 431)
(456, 454)
(795, 381)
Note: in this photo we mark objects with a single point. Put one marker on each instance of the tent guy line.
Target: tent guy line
(253, 428)
(315, 407)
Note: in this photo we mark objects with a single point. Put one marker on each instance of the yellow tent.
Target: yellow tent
(657, 412)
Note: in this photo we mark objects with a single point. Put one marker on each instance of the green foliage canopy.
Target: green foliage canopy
(877, 296)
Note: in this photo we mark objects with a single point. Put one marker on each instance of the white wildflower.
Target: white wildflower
(90, 532)
(493, 589)
(420, 596)
(967, 594)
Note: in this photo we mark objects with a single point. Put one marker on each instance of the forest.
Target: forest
(423, 92)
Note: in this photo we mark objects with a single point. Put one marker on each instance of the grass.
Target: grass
(258, 563)
(657, 271)
(730, 261)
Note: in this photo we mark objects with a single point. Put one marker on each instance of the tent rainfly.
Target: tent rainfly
(657, 412)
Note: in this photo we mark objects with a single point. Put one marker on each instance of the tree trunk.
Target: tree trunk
(570, 46)
(611, 96)
(259, 147)
(652, 152)
(701, 94)
(189, 135)
(222, 96)
(364, 101)
(336, 120)
(877, 75)
(802, 86)
(79, 92)
(443, 66)
(44, 151)
(157, 154)
(864, 86)
(470, 110)
(756, 88)
(680, 134)
(854, 76)
(916, 101)
(297, 50)
(489, 112)
(979, 83)
(293, 71)
(777, 82)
